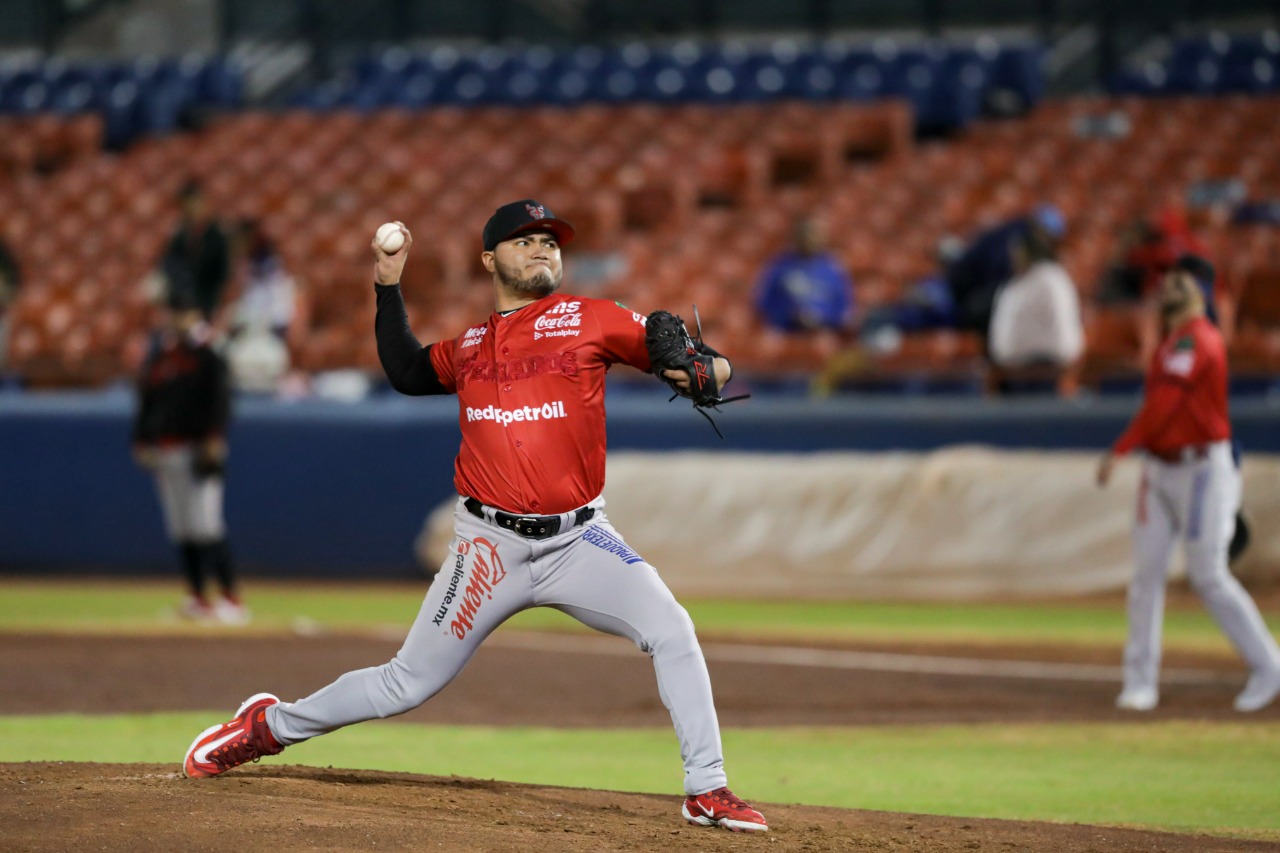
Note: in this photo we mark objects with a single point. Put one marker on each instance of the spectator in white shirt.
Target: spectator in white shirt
(265, 314)
(1036, 334)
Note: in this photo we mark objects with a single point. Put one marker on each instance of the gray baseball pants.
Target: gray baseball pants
(192, 505)
(1195, 502)
(491, 574)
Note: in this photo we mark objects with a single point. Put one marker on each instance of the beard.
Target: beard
(1172, 308)
(538, 285)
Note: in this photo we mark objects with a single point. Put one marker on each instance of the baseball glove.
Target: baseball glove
(1240, 538)
(672, 348)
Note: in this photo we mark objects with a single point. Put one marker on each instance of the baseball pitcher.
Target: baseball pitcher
(530, 528)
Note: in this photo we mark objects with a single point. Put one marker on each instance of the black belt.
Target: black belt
(528, 526)
(1187, 453)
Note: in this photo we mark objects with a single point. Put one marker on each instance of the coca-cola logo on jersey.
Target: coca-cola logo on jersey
(564, 321)
(559, 321)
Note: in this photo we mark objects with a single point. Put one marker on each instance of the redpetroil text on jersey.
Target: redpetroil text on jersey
(545, 412)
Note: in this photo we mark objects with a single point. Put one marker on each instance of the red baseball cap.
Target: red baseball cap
(520, 217)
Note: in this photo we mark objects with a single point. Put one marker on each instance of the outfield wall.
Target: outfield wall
(962, 522)
(327, 489)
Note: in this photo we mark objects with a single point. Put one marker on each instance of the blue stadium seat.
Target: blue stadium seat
(1252, 64)
(1150, 79)
(815, 76)
(779, 70)
(861, 76)
(13, 88)
(420, 89)
(664, 78)
(1194, 66)
(1020, 69)
(73, 96)
(222, 84)
(469, 85)
(121, 119)
(720, 74)
(916, 75)
(29, 96)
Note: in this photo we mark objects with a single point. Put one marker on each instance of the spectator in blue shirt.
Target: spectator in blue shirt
(805, 288)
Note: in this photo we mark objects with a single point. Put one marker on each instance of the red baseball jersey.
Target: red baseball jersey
(530, 389)
(1185, 402)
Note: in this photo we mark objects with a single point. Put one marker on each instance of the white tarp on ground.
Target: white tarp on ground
(963, 522)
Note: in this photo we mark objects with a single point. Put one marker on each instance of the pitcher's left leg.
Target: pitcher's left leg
(1209, 525)
(650, 617)
(598, 580)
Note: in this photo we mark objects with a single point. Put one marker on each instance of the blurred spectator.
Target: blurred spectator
(197, 259)
(258, 351)
(805, 287)
(1257, 212)
(269, 295)
(179, 435)
(987, 263)
(926, 305)
(1036, 332)
(1147, 249)
(10, 281)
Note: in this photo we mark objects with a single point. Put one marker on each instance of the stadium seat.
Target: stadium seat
(1112, 346)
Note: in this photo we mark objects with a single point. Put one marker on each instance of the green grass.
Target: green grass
(1218, 778)
(1180, 776)
(148, 607)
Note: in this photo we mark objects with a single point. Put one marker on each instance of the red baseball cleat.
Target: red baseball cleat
(722, 807)
(245, 737)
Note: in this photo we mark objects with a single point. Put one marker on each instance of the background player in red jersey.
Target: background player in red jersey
(1190, 489)
(530, 527)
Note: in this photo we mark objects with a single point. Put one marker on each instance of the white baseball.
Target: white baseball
(389, 238)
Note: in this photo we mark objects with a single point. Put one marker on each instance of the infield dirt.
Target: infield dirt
(134, 807)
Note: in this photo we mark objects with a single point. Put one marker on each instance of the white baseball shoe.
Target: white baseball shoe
(1259, 691)
(230, 611)
(1138, 699)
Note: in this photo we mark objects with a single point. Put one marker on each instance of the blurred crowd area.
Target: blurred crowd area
(684, 177)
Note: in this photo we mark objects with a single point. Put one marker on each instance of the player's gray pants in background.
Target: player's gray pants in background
(587, 572)
(192, 505)
(1196, 502)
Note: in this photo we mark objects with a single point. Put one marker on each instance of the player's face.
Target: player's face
(1178, 294)
(529, 265)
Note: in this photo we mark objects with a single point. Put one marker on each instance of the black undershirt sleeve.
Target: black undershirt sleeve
(406, 362)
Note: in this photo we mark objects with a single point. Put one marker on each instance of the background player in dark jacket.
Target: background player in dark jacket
(179, 436)
(198, 258)
(987, 263)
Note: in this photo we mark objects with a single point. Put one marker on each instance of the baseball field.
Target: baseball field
(851, 725)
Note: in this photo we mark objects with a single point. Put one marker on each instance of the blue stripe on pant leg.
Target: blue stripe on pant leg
(1199, 487)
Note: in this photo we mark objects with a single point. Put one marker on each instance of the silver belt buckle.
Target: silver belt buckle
(533, 528)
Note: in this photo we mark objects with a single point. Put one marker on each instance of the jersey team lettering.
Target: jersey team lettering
(545, 412)
(473, 369)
